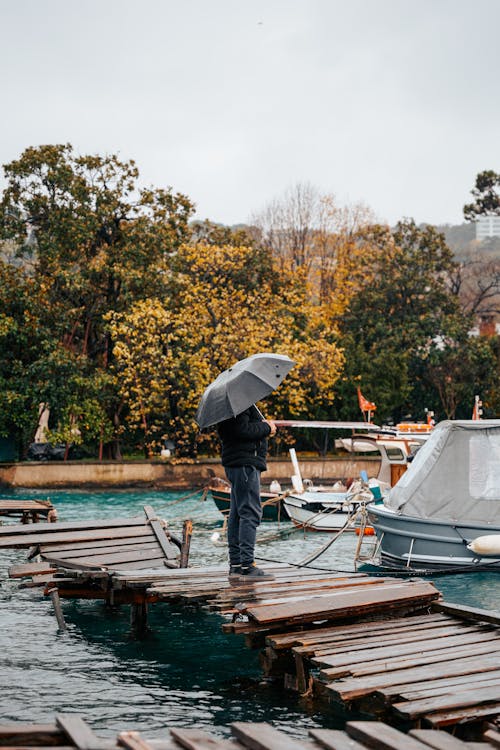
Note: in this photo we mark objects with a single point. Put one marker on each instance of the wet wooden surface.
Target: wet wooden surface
(71, 732)
(107, 545)
(28, 511)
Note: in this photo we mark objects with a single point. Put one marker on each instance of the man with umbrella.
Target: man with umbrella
(244, 452)
(229, 403)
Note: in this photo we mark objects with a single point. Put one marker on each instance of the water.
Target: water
(185, 672)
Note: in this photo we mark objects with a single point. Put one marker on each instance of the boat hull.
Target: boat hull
(421, 543)
(309, 512)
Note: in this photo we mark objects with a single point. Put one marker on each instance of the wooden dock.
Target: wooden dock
(385, 646)
(28, 511)
(71, 732)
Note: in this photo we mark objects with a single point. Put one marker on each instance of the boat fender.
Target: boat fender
(485, 545)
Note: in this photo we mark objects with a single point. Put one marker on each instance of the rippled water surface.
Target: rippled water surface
(185, 672)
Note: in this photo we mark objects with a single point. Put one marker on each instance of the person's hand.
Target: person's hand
(272, 426)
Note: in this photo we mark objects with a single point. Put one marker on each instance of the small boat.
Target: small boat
(272, 502)
(319, 509)
(444, 512)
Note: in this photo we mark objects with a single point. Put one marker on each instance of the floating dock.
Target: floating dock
(71, 732)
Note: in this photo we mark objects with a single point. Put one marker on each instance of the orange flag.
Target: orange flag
(365, 405)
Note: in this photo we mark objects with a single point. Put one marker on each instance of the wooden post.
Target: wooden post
(139, 617)
(187, 532)
(56, 603)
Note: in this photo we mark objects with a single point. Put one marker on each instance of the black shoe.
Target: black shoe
(234, 571)
(252, 571)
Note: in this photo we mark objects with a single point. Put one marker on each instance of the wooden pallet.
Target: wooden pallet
(71, 732)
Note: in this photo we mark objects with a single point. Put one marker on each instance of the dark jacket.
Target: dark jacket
(244, 439)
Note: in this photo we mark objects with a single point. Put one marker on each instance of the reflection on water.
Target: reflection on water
(185, 672)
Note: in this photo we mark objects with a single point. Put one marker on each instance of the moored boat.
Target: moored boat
(444, 512)
(272, 502)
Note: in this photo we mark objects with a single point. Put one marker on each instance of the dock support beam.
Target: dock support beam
(139, 617)
(187, 532)
(56, 603)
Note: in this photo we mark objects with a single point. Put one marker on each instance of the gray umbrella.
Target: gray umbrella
(237, 388)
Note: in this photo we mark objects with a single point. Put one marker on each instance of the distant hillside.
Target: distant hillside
(461, 238)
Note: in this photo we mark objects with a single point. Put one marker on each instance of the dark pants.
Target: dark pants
(245, 513)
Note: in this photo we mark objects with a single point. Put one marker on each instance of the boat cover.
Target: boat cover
(455, 476)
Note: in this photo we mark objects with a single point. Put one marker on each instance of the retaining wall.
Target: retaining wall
(169, 473)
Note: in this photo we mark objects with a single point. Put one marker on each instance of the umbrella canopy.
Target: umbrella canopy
(237, 388)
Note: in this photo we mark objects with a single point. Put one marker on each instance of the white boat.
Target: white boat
(318, 508)
(444, 512)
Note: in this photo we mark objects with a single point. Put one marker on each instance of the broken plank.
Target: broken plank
(334, 739)
(260, 736)
(72, 536)
(386, 665)
(196, 739)
(346, 603)
(450, 701)
(427, 646)
(440, 740)
(79, 732)
(358, 686)
(462, 716)
(381, 736)
(23, 570)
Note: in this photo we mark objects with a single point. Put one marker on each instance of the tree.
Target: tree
(224, 303)
(91, 242)
(402, 308)
(486, 193)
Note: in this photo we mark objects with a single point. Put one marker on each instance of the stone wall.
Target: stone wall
(169, 473)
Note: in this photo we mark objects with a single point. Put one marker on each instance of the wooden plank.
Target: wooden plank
(169, 550)
(471, 682)
(359, 686)
(260, 736)
(71, 536)
(381, 736)
(108, 558)
(395, 639)
(196, 739)
(463, 716)
(112, 545)
(467, 613)
(450, 701)
(334, 739)
(346, 603)
(414, 690)
(79, 732)
(30, 734)
(30, 569)
(439, 740)
(493, 737)
(427, 646)
(381, 665)
(132, 741)
(46, 530)
(306, 637)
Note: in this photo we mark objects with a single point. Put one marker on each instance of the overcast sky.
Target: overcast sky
(394, 103)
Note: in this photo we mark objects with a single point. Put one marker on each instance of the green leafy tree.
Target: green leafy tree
(91, 241)
(402, 309)
(486, 194)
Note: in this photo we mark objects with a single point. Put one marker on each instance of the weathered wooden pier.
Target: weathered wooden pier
(28, 511)
(384, 646)
(71, 732)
